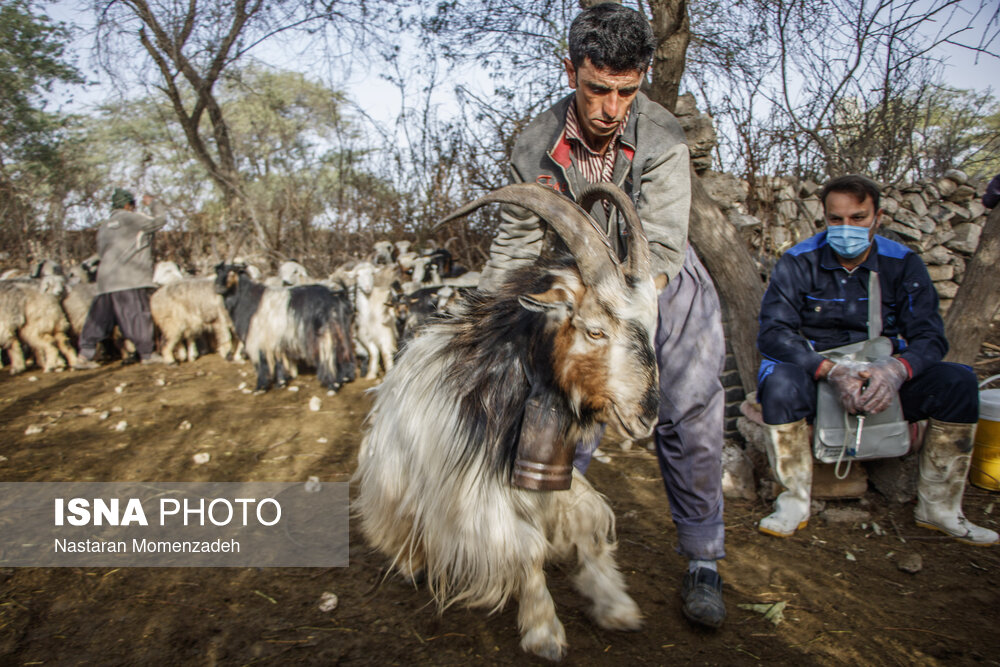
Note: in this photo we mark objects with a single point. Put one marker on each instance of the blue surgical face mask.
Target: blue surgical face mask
(848, 241)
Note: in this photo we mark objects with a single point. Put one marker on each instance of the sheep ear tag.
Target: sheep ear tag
(546, 301)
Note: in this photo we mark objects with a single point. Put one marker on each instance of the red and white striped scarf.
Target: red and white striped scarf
(595, 167)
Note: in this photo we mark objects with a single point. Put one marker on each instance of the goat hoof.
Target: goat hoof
(622, 614)
(546, 641)
(417, 578)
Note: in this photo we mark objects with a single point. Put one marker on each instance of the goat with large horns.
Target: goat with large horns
(435, 467)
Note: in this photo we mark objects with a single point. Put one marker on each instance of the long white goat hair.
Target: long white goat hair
(270, 331)
(434, 470)
(475, 533)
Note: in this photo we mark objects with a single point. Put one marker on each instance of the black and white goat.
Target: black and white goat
(282, 326)
(436, 464)
(293, 273)
(443, 264)
(413, 310)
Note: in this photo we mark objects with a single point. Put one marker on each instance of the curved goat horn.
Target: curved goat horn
(638, 264)
(585, 240)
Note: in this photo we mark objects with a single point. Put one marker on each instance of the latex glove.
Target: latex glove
(885, 377)
(847, 378)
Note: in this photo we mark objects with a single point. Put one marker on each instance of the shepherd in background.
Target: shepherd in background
(124, 279)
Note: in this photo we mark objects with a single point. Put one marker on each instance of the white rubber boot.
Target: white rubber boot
(944, 465)
(790, 455)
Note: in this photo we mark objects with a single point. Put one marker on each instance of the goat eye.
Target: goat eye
(595, 334)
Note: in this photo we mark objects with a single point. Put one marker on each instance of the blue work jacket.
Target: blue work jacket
(813, 304)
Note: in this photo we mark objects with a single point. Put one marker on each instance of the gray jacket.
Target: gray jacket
(124, 244)
(652, 166)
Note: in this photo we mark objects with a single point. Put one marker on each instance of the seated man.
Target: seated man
(817, 300)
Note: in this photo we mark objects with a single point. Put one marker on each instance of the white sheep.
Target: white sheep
(165, 273)
(76, 304)
(185, 310)
(30, 315)
(84, 272)
(374, 320)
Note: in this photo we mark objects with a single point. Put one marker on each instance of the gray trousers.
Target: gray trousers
(690, 353)
(129, 309)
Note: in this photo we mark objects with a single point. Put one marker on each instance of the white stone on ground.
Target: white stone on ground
(328, 602)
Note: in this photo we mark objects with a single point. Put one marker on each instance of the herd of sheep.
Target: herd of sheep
(365, 310)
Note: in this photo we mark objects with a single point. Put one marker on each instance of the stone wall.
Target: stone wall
(941, 220)
(699, 130)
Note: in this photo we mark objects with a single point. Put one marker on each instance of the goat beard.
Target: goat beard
(623, 426)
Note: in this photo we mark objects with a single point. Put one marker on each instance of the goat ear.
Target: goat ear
(547, 301)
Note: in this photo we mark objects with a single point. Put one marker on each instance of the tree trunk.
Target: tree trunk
(978, 298)
(716, 240)
(727, 259)
(673, 32)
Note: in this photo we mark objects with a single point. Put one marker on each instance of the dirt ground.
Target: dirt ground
(846, 600)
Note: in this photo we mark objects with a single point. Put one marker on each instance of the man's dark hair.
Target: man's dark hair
(613, 37)
(860, 186)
